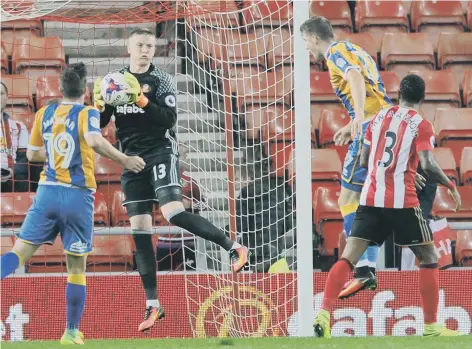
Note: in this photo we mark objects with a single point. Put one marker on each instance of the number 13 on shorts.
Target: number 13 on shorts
(159, 171)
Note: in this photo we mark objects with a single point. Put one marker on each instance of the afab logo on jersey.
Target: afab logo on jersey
(129, 109)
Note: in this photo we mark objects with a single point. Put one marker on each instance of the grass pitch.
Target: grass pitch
(464, 342)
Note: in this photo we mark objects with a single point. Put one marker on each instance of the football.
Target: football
(114, 87)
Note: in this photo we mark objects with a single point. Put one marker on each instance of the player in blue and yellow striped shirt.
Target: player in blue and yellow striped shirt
(66, 136)
(356, 81)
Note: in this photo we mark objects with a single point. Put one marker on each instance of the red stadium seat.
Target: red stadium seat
(380, 17)
(107, 170)
(467, 88)
(455, 53)
(14, 207)
(19, 93)
(444, 205)
(208, 45)
(109, 132)
(112, 253)
(280, 50)
(12, 30)
(325, 165)
(243, 49)
(279, 154)
(100, 210)
(223, 14)
(328, 218)
(6, 244)
(26, 118)
(466, 166)
(48, 259)
(267, 88)
(254, 118)
(445, 159)
(464, 248)
(391, 83)
(405, 52)
(435, 17)
(267, 13)
(442, 90)
(4, 60)
(322, 95)
(47, 91)
(337, 12)
(38, 56)
(364, 40)
(279, 125)
(453, 129)
(330, 122)
(119, 217)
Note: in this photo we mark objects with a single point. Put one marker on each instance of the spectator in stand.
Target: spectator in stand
(13, 143)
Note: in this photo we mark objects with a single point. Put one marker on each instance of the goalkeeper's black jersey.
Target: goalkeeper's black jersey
(149, 131)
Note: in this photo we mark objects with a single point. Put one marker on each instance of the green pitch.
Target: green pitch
(464, 342)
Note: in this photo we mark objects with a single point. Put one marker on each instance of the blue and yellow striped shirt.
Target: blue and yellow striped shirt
(62, 128)
(343, 56)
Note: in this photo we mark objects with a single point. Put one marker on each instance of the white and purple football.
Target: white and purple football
(114, 87)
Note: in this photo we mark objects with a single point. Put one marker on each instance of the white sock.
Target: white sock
(152, 303)
(235, 246)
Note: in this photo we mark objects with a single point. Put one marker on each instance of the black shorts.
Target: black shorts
(375, 224)
(144, 186)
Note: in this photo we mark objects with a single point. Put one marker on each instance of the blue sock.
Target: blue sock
(75, 297)
(9, 263)
(369, 257)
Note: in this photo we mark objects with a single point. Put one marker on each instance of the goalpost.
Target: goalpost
(241, 73)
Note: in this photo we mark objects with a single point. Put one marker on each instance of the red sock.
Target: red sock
(337, 277)
(429, 289)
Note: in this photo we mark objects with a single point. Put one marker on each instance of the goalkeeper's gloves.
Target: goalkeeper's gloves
(98, 101)
(135, 92)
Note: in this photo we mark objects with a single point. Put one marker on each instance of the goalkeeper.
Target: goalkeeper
(145, 128)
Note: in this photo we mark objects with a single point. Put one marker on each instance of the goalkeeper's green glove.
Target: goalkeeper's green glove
(98, 101)
(135, 92)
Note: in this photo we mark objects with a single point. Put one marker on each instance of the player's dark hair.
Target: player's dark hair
(141, 31)
(318, 26)
(74, 80)
(412, 89)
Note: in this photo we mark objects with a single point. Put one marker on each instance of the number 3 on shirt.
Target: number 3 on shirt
(162, 171)
(389, 149)
(63, 145)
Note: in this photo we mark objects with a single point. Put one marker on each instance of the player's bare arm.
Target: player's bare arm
(435, 173)
(357, 85)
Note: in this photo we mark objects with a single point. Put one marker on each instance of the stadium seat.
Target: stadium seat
(26, 118)
(47, 89)
(243, 49)
(391, 83)
(330, 122)
(279, 124)
(207, 45)
(453, 129)
(328, 218)
(12, 30)
(254, 118)
(107, 170)
(442, 90)
(325, 165)
(19, 93)
(14, 207)
(223, 14)
(444, 205)
(39, 56)
(4, 60)
(101, 214)
(280, 50)
(6, 244)
(435, 17)
(455, 53)
(279, 154)
(445, 159)
(109, 132)
(364, 40)
(48, 259)
(337, 12)
(402, 53)
(266, 13)
(264, 89)
(111, 253)
(322, 95)
(380, 17)
(119, 217)
(464, 248)
(467, 88)
(466, 166)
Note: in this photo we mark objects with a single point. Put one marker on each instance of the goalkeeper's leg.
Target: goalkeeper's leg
(170, 199)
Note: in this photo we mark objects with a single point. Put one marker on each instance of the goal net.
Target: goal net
(233, 65)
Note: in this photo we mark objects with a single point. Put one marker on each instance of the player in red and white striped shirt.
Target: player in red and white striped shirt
(396, 140)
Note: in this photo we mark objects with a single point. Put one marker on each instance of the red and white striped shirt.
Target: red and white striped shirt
(395, 136)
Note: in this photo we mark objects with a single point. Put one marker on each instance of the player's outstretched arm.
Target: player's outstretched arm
(164, 113)
(104, 148)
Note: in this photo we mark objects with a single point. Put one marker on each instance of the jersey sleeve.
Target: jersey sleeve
(342, 60)
(166, 91)
(90, 121)
(425, 137)
(36, 140)
(23, 136)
